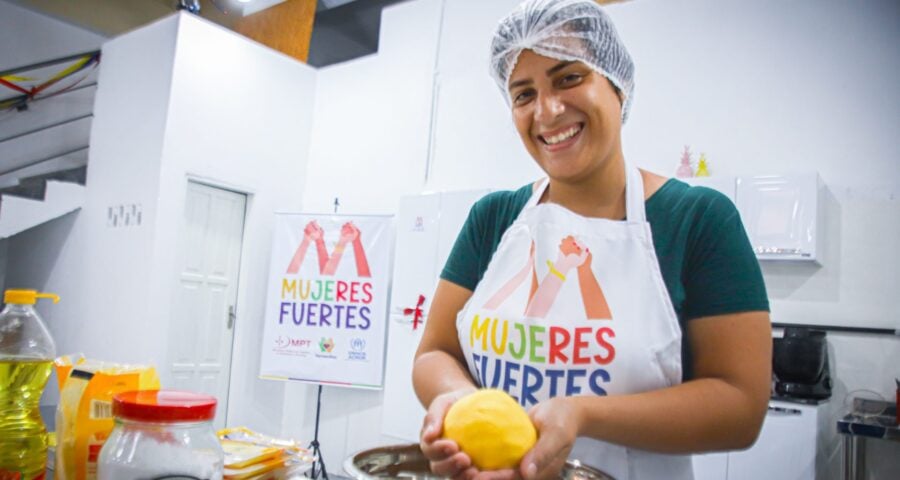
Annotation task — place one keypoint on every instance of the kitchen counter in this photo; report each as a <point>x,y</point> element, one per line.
<point>857,427</point>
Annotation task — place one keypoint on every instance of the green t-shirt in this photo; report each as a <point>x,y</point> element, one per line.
<point>704,254</point>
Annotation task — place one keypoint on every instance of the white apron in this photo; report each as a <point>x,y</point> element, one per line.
<point>588,314</point>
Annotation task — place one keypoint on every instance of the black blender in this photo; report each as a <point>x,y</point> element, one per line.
<point>800,365</point>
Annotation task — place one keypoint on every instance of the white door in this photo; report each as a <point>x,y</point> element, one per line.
<point>203,312</point>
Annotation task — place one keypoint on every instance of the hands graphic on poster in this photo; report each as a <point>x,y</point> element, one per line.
<point>313,231</point>
<point>328,262</point>
<point>349,232</point>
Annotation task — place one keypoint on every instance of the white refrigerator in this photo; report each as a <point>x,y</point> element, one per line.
<point>427,226</point>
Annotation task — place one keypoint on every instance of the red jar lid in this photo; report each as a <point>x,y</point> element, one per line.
<point>161,406</point>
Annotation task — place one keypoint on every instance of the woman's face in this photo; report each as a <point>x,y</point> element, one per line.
<point>568,115</point>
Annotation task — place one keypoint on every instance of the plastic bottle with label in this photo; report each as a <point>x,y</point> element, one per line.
<point>26,354</point>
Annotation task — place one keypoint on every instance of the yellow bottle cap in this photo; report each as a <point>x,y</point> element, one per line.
<point>27,297</point>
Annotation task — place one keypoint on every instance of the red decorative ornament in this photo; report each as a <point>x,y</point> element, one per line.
<point>416,312</point>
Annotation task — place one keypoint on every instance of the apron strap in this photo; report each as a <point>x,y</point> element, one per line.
<point>538,192</point>
<point>634,194</point>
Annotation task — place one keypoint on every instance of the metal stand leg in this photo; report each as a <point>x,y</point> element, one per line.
<point>314,445</point>
<point>854,458</point>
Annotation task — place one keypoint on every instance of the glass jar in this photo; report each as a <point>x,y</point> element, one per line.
<point>162,434</point>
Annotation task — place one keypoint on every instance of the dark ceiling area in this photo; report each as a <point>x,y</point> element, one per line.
<point>346,32</point>
<point>342,29</point>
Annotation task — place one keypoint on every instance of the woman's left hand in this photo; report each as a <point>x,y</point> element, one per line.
<point>557,421</point>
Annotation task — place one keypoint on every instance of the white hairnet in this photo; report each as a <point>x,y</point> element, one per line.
<point>569,30</point>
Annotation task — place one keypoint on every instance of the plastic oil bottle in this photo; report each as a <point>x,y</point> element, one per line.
<point>26,355</point>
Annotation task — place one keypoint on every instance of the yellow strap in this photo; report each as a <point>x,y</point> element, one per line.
<point>556,272</point>
<point>17,78</point>
<point>71,68</point>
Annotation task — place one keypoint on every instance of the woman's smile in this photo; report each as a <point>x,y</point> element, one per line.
<point>561,138</point>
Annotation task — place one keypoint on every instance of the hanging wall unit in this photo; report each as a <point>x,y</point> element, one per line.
<point>783,215</point>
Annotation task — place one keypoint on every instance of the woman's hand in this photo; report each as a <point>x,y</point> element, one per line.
<point>444,456</point>
<point>557,421</point>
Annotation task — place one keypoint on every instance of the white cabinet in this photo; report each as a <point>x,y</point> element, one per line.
<point>427,226</point>
<point>782,215</point>
<point>710,466</point>
<point>785,449</point>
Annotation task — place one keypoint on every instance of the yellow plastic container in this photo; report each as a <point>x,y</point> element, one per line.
<point>26,354</point>
<point>84,417</point>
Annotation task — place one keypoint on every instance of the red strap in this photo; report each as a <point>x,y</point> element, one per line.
<point>14,87</point>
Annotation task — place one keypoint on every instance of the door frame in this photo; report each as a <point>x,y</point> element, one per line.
<point>248,195</point>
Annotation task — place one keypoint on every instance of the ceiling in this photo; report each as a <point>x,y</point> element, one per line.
<point>113,17</point>
<point>49,136</point>
<point>342,29</point>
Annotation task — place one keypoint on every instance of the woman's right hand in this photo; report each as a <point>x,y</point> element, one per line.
<point>444,456</point>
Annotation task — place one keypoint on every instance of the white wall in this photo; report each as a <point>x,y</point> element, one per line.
<point>369,146</point>
<point>28,37</point>
<point>180,98</point>
<point>372,117</point>
<point>761,87</point>
<point>476,144</point>
<point>78,256</point>
<point>240,116</point>
<point>776,87</point>
<point>4,247</point>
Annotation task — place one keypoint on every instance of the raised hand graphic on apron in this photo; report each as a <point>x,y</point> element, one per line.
<point>571,305</point>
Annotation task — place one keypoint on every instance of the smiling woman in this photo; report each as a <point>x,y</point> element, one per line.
<point>567,115</point>
<point>626,310</point>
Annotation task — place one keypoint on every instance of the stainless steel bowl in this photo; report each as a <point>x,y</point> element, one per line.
<point>407,461</point>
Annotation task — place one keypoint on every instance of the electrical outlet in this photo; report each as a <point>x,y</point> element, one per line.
<point>125,215</point>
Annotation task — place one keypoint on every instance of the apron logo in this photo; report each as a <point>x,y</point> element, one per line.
<point>541,296</point>
<point>328,263</point>
<point>531,355</point>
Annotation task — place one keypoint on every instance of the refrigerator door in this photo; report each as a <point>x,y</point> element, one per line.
<point>427,226</point>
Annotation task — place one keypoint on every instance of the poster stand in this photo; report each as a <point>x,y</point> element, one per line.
<point>314,445</point>
<point>339,297</point>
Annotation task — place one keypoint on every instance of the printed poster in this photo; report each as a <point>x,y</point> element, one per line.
<point>327,298</point>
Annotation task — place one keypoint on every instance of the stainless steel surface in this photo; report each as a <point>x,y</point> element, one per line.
<point>869,419</point>
<point>854,458</point>
<point>407,461</point>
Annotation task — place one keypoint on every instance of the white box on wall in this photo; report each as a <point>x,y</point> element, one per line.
<point>782,215</point>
